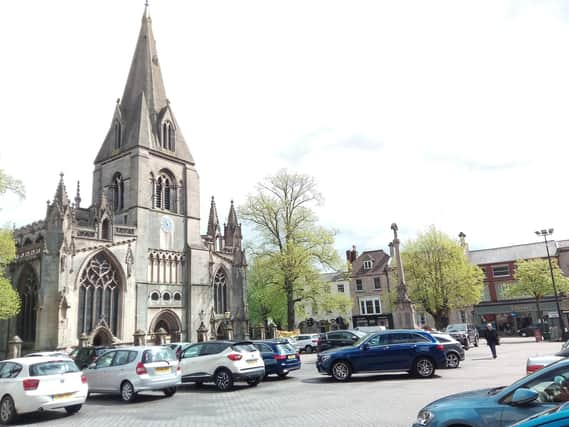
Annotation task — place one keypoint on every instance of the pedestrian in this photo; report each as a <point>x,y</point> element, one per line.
<point>491,338</point>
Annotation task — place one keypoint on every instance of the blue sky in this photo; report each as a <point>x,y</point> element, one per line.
<point>450,113</point>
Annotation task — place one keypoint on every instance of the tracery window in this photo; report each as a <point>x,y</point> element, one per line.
<point>164,193</point>
<point>28,290</point>
<point>99,295</point>
<point>168,136</point>
<point>220,292</point>
<point>118,192</point>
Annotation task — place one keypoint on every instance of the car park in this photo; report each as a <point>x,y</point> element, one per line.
<point>454,351</point>
<point>223,363</point>
<point>31,384</point>
<point>464,333</point>
<point>279,356</point>
<point>307,342</point>
<point>413,351</point>
<point>340,338</point>
<point>500,406</point>
<point>130,370</point>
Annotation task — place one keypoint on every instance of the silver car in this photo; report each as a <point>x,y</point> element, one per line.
<point>130,370</point>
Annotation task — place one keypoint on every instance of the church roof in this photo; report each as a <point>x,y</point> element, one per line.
<point>144,105</point>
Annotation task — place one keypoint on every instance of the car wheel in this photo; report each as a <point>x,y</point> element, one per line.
<point>341,371</point>
<point>7,410</point>
<point>223,380</point>
<point>73,409</point>
<point>283,374</point>
<point>308,349</point>
<point>253,382</point>
<point>424,368</point>
<point>524,334</point>
<point>170,391</point>
<point>127,392</point>
<point>453,360</point>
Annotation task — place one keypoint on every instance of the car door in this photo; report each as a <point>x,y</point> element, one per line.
<point>8,382</point>
<point>334,339</point>
<point>401,350</point>
<point>190,361</point>
<point>118,369</point>
<point>268,357</point>
<point>373,354</point>
<point>209,357</point>
<point>98,376</point>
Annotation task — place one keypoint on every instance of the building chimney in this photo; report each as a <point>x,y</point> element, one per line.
<point>462,241</point>
<point>351,256</point>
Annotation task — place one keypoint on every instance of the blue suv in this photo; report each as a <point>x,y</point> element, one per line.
<point>279,356</point>
<point>414,351</point>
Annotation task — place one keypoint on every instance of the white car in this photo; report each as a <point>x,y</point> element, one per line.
<point>30,384</point>
<point>222,362</point>
<point>60,354</point>
<point>130,370</point>
<point>307,342</point>
<point>535,363</point>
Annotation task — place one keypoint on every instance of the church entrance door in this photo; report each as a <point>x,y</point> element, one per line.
<point>103,337</point>
<point>168,321</point>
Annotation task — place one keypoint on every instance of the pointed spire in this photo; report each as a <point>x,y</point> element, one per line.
<point>232,219</point>
<point>61,197</point>
<point>213,229</point>
<point>78,197</point>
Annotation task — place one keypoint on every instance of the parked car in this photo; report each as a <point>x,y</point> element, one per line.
<point>527,331</point>
<point>30,384</point>
<point>454,351</point>
<point>129,370</point>
<point>178,347</point>
<point>499,406</point>
<point>279,357</point>
<point>338,339</point>
<point>414,351</point>
<point>535,363</point>
<point>84,356</point>
<point>223,363</point>
<point>60,354</point>
<point>464,333</point>
<point>554,417</point>
<point>307,342</point>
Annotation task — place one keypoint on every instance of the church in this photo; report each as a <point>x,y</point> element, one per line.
<point>135,260</point>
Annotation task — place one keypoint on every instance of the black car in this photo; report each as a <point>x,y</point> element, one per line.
<point>84,356</point>
<point>528,331</point>
<point>454,351</point>
<point>338,339</point>
<point>464,333</point>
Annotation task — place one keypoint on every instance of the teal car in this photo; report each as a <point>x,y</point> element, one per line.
<point>554,417</point>
<point>543,390</point>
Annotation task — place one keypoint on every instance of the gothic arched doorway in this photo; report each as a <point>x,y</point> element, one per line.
<point>28,289</point>
<point>102,337</point>
<point>221,333</point>
<point>168,321</point>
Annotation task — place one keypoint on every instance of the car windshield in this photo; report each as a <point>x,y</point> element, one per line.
<point>456,328</point>
<point>163,354</point>
<point>244,347</point>
<point>55,367</point>
<point>285,349</point>
<point>362,337</point>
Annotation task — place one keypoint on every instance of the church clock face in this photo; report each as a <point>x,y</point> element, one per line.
<point>166,224</point>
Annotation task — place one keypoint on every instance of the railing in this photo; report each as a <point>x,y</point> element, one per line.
<point>125,231</point>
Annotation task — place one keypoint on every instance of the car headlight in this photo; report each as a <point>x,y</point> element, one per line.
<point>425,417</point>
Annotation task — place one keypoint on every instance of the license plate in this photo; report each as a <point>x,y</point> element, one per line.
<point>292,356</point>
<point>252,361</point>
<point>62,396</point>
<point>162,370</point>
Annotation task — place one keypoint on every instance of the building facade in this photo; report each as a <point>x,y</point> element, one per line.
<point>134,259</point>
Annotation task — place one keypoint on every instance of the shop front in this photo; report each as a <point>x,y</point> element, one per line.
<point>373,320</point>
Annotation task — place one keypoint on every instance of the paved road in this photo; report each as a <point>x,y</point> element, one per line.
<point>306,398</point>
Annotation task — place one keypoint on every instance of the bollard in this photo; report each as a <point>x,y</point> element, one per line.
<point>139,338</point>
<point>15,347</point>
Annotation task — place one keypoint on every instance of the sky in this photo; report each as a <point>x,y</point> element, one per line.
<point>448,113</point>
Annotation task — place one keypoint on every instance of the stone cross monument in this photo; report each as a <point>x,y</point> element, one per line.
<point>404,314</point>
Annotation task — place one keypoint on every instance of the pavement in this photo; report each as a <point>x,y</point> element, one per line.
<point>306,397</point>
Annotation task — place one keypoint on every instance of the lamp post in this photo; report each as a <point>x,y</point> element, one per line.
<point>544,234</point>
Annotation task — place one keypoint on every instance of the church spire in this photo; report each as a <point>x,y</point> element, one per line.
<point>213,229</point>
<point>143,116</point>
<point>61,197</point>
<point>78,197</point>
<point>232,219</point>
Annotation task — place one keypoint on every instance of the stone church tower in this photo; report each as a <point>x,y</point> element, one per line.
<point>135,259</point>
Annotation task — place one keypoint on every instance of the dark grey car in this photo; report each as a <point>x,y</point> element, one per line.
<point>454,350</point>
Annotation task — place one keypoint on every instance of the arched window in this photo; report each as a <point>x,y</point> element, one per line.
<point>99,295</point>
<point>118,134</point>
<point>177,297</point>
<point>220,292</point>
<point>28,290</point>
<point>118,192</point>
<point>105,230</point>
<point>154,296</point>
<point>166,297</point>
<point>168,136</point>
<point>164,193</point>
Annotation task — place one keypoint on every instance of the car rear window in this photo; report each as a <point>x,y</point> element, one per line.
<point>158,355</point>
<point>285,349</point>
<point>243,347</point>
<point>53,368</point>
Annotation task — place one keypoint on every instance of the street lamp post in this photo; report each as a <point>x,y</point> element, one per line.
<point>544,234</point>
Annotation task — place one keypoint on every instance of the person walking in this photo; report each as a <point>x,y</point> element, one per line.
<point>491,338</point>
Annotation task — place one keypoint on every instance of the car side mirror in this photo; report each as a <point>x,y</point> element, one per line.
<point>92,366</point>
<point>365,346</point>
<point>355,338</point>
<point>523,396</point>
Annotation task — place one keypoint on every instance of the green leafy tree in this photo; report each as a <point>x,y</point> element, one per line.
<point>533,279</point>
<point>439,276</point>
<point>291,246</point>
<point>9,298</point>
